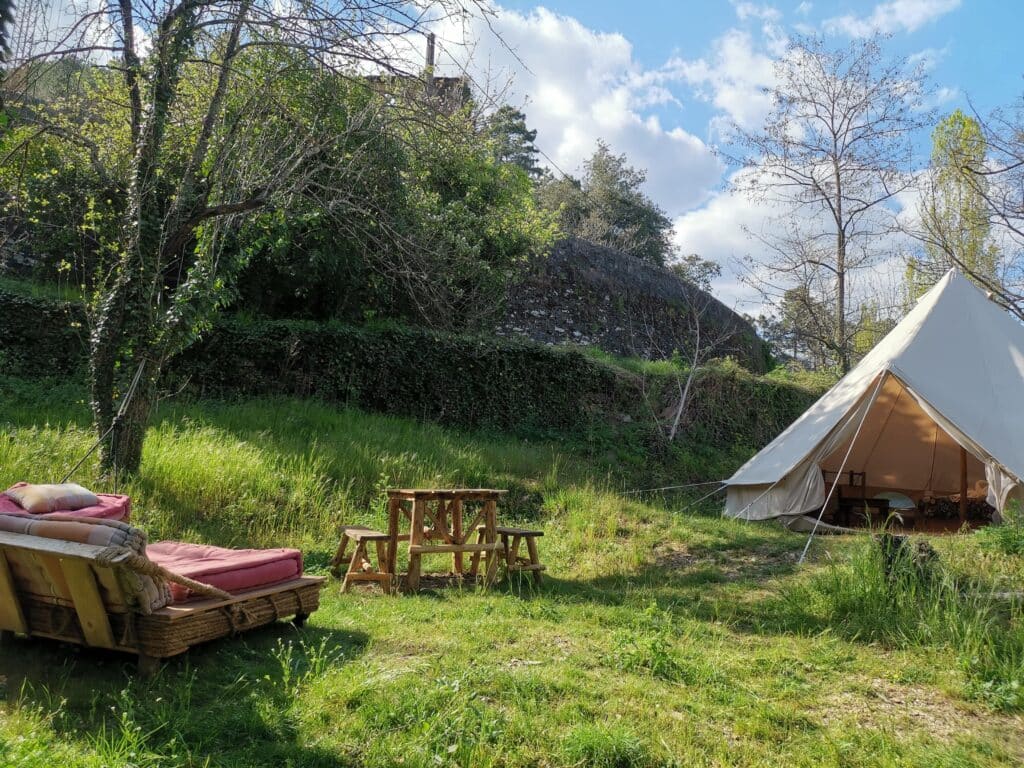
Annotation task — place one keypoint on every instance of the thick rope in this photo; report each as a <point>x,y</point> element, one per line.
<point>690,506</point>
<point>111,556</point>
<point>128,395</point>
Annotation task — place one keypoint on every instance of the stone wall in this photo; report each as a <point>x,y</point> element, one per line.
<point>590,295</point>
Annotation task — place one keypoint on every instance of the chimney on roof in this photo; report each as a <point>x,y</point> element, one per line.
<point>428,72</point>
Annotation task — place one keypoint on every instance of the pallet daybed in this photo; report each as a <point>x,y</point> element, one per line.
<point>110,595</point>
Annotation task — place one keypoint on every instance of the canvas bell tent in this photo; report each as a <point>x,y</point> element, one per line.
<point>936,406</point>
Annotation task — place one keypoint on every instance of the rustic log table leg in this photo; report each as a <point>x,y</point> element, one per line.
<point>456,511</point>
<point>491,537</point>
<point>531,547</point>
<point>394,513</point>
<point>415,539</point>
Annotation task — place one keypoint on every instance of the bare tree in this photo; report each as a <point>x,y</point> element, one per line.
<point>207,145</point>
<point>701,338</point>
<point>6,17</point>
<point>831,156</point>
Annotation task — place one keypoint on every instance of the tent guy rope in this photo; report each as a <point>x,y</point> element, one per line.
<point>867,409</point>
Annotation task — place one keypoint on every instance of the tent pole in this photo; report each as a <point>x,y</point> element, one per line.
<point>963,484</point>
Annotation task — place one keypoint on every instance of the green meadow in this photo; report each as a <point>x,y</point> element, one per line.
<point>661,635</point>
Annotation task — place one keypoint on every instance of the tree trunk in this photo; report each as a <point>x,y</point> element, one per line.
<point>122,451</point>
<point>840,338</point>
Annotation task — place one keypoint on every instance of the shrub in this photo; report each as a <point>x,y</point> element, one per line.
<point>1007,538</point>
<point>40,336</point>
<point>469,381</point>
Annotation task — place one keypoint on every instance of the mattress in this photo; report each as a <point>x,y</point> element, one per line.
<point>232,570</point>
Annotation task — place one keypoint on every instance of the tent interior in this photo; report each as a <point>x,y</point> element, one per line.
<point>901,452</point>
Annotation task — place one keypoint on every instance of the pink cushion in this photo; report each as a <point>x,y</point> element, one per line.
<point>109,507</point>
<point>232,570</point>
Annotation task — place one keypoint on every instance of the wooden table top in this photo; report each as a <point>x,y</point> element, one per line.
<point>469,494</point>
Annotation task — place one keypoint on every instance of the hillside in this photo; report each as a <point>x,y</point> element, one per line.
<point>601,404</point>
<point>661,635</point>
<point>584,294</point>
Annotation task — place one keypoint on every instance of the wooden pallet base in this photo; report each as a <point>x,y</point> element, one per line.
<point>173,630</point>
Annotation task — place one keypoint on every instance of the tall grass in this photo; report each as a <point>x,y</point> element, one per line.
<point>908,603</point>
<point>269,470</point>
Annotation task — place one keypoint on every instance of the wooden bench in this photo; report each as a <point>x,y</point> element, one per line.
<point>511,539</point>
<point>360,567</point>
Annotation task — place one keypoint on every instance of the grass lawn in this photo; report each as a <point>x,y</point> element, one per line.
<point>660,636</point>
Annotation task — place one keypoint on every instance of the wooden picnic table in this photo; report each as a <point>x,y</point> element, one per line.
<point>437,525</point>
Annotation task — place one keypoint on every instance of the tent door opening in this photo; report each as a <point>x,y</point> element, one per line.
<point>904,463</point>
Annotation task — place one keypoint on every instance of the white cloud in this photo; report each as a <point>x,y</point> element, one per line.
<point>940,98</point>
<point>892,16</point>
<point>804,8</point>
<point>578,85</point>
<point>927,58</point>
<point>747,10</point>
<point>734,78</point>
<point>720,231</point>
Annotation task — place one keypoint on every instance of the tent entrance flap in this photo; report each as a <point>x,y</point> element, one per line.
<point>802,489</point>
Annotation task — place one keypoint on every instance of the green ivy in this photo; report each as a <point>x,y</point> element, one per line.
<point>466,381</point>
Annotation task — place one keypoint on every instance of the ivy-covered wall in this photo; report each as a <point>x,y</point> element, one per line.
<point>40,337</point>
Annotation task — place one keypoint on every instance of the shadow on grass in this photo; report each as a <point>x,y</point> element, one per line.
<point>230,700</point>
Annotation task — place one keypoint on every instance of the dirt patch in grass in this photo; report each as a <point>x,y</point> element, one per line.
<point>732,564</point>
<point>876,702</point>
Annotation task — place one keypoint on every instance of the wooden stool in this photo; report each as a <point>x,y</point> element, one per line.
<point>511,538</point>
<point>359,566</point>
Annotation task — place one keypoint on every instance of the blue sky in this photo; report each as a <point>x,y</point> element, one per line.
<point>657,79</point>
<point>977,42</point>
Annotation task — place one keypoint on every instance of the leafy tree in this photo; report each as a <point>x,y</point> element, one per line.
<point>206,149</point>
<point>513,142</point>
<point>564,197</point>
<point>832,154</point>
<point>956,229</point>
<point>608,206</point>
<point>478,223</point>
<point>443,227</point>
<point>694,269</point>
<point>800,330</point>
<point>872,326</point>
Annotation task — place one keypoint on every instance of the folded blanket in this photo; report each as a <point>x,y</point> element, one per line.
<point>142,592</point>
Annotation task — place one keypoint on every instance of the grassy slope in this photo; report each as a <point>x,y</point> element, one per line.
<point>657,638</point>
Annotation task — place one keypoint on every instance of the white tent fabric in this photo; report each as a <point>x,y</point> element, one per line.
<point>949,375</point>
